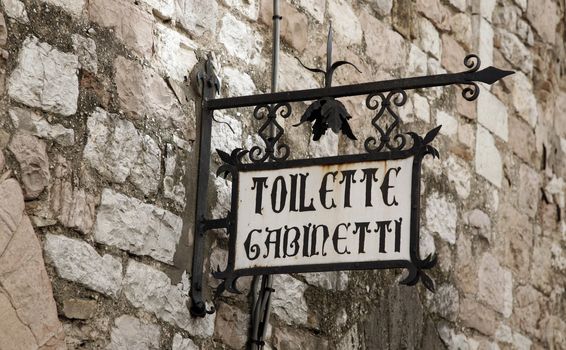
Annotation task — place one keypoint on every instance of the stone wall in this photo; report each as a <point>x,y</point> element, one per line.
<point>98,128</point>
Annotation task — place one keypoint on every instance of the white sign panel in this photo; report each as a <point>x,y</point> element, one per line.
<point>324,214</point>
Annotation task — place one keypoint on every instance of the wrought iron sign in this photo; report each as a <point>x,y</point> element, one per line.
<point>346,212</point>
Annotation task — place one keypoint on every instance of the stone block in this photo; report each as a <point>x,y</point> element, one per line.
<point>544,16</point>
<point>174,53</point>
<point>80,309</point>
<point>164,9</point>
<point>495,285</point>
<point>492,114</point>
<point>249,8</point>
<point>237,83</point>
<point>315,8</point>
<point>452,54</point>
<point>435,11</point>
<point>459,4</point>
<point>523,141</point>
<point>85,48</point>
<point>294,76</point>
<point>240,40</point>
<point>129,333</point>
<point>119,152</point>
<point>523,98</point>
<point>45,78</point>
<point>475,315</point>
<point>528,309</point>
<point>516,233</point>
<point>484,8</point>
<point>135,30</point>
<point>485,40</point>
<point>36,125</point>
<point>30,152</point>
<point>288,301</point>
<point>118,224</point>
<point>529,195</point>
<point>226,330</point>
<point>288,338</point>
<point>385,47</point>
<point>445,302</point>
<point>461,29</point>
<point>458,175</point>
<point>79,262</point>
<point>337,281</point>
<point>421,108</point>
<point>74,7</point>
<point>16,9</point>
<point>180,343</point>
<point>488,160</point>
<point>429,39</point>
<point>441,217</point>
<point>151,290</point>
<point>293,26</point>
<point>514,51</point>
<point>142,93</point>
<point>345,22</point>
<point>480,221</point>
<point>416,61</point>
<point>74,207</point>
<point>197,17</point>
<point>449,123</point>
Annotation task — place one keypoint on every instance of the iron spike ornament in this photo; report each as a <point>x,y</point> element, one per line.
<point>328,112</point>
<point>348,212</point>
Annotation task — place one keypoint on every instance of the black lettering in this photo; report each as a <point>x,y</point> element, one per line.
<point>348,177</point>
<point>293,197</point>
<point>398,235</point>
<point>259,184</point>
<point>294,244</point>
<point>369,177</point>
<point>382,229</point>
<point>306,236</point>
<point>276,242</point>
<point>385,187</point>
<point>303,188</point>
<point>324,190</point>
<point>336,238</point>
<point>282,196</point>
<point>362,228</point>
<point>325,236</point>
<point>249,248</point>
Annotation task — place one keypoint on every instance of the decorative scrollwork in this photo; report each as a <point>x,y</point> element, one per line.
<point>273,150</point>
<point>386,137</point>
<point>472,91</point>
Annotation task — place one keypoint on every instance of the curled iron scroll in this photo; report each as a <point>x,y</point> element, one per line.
<point>273,149</point>
<point>393,142</point>
<point>472,91</point>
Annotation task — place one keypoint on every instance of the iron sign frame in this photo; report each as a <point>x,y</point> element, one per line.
<point>389,144</point>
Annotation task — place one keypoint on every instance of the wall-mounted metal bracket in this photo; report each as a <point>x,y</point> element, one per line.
<point>382,97</point>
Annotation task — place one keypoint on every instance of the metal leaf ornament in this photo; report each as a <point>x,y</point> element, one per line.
<point>328,112</point>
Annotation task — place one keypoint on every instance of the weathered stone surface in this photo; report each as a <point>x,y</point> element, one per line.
<point>452,54</point>
<point>416,61</point>
<point>554,331</point>
<point>293,75</point>
<point>180,343</point>
<point>517,238</point>
<point>428,39</point>
<point>492,114</point>
<point>239,39</point>
<point>16,9</point>
<point>435,11</point>
<point>2,161</point>
<point>528,309</point>
<point>488,160</point>
<point>45,78</point>
<point>461,27</point>
<point>118,224</point>
<point>523,98</point>
<point>85,48</point>
<point>523,142</point>
<point>485,50</point>
<point>495,285</point>
<point>514,51</point>
<point>174,53</point>
<point>288,301</point>
<point>421,108</point>
<point>197,17</point>
<point>79,262</point>
<point>455,340</point>
<point>544,17</point>
<point>459,4</point>
<point>449,123</point>
<point>135,30</point>
<point>345,22</point>
<point>173,187</point>
<point>74,7</point>
<point>316,8</point>
<point>29,314</point>
<point>505,334</point>
<point>143,93</point>
<point>29,121</point>
<point>530,190</point>
<point>484,8</point>
<point>151,289</point>
<point>238,83</point>
<point>74,206</point>
<point>119,152</point>
<point>227,317</point>
<point>294,26</point>
<point>288,338</point>
<point>31,154</point>
<point>328,280</point>
<point>480,221</point>
<point>445,301</point>
<point>441,217</point>
<point>164,9</point>
<point>81,309</point>
<point>131,333</point>
<point>459,175</point>
<point>379,39</point>
<point>475,315</point>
